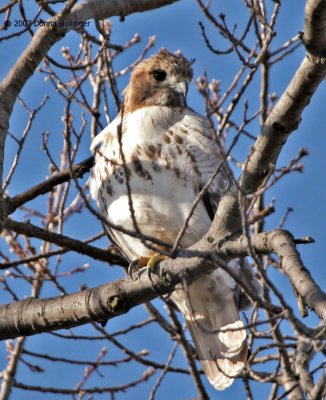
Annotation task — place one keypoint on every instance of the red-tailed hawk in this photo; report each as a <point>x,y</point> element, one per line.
<point>169,156</point>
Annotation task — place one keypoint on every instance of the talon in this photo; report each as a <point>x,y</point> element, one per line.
<point>149,262</point>
<point>137,265</point>
<point>149,274</point>
<point>133,266</point>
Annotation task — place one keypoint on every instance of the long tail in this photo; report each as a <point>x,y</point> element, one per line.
<point>217,332</point>
<point>223,354</point>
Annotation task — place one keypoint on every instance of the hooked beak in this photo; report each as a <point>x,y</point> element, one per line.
<point>181,87</point>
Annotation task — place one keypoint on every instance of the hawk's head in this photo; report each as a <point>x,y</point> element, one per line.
<point>160,80</point>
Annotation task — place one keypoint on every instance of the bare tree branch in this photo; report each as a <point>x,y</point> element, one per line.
<point>281,122</point>
<point>33,315</point>
<point>104,302</point>
<point>26,228</point>
<point>314,29</point>
<point>44,187</point>
<point>282,243</point>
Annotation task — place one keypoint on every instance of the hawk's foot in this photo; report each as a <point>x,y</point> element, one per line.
<point>154,259</point>
<point>148,262</point>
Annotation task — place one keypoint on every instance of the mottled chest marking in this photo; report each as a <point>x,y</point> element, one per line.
<point>139,169</point>
<point>114,169</point>
<point>109,188</point>
<point>119,175</point>
<point>159,149</point>
<point>154,149</point>
<point>151,152</point>
<point>193,161</point>
<point>174,137</point>
<point>178,139</point>
<point>166,139</point>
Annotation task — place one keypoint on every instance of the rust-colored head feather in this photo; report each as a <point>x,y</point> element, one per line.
<point>160,80</point>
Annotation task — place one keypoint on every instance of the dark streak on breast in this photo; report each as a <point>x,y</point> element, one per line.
<point>193,160</point>
<point>166,139</point>
<point>102,198</point>
<point>159,149</point>
<point>119,177</point>
<point>178,139</point>
<point>108,188</point>
<point>203,132</point>
<point>138,167</point>
<point>151,152</point>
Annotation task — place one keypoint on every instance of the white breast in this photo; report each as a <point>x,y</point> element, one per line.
<point>164,182</point>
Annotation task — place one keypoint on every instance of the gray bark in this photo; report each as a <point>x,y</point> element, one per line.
<point>33,315</point>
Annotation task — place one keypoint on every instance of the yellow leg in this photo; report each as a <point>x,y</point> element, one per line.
<point>154,259</point>
<point>148,262</point>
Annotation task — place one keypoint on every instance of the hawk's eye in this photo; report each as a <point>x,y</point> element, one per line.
<point>159,75</point>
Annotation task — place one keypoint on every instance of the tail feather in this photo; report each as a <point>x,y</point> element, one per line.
<point>217,332</point>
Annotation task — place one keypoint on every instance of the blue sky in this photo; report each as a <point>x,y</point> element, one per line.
<point>175,27</point>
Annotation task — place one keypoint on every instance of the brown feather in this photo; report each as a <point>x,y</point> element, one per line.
<point>144,91</point>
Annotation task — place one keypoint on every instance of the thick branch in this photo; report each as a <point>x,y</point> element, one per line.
<point>281,243</point>
<point>282,121</point>
<point>315,26</point>
<point>34,315</point>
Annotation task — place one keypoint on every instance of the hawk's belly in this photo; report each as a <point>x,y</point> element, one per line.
<point>161,203</point>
